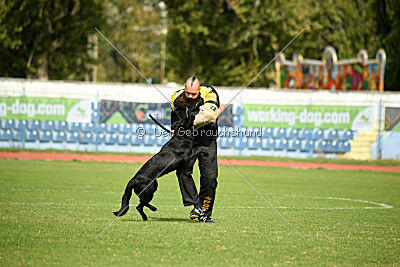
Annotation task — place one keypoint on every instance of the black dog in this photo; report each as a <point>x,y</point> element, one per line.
<point>168,159</point>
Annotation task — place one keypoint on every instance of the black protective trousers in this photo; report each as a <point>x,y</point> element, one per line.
<point>207,155</point>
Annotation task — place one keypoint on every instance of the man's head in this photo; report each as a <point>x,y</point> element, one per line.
<point>192,87</point>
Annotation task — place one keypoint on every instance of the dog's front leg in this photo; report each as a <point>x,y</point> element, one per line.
<point>139,208</point>
<point>151,207</point>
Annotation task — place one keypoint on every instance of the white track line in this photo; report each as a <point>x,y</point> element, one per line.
<point>376,205</point>
<point>380,205</point>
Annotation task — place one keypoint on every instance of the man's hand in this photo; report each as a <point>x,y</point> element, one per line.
<point>208,114</point>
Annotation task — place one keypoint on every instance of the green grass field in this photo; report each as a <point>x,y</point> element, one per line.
<point>52,211</point>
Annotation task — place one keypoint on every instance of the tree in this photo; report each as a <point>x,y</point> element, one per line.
<point>47,39</point>
<point>214,39</point>
<point>227,42</point>
<point>224,42</point>
<point>386,13</point>
<point>137,30</point>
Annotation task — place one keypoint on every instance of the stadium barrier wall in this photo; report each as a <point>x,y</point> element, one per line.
<point>284,123</point>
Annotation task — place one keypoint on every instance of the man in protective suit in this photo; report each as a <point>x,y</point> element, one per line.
<point>202,101</point>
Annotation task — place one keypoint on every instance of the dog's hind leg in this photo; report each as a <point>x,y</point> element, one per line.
<point>139,208</point>
<point>151,207</point>
<point>146,196</point>
<point>125,199</point>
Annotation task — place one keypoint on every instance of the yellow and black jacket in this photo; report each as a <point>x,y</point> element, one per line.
<point>179,110</point>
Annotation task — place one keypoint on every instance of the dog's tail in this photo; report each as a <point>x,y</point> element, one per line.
<point>125,199</point>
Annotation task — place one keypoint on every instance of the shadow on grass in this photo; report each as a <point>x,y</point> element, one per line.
<point>158,220</point>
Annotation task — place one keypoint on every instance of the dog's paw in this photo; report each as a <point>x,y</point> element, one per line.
<point>141,212</point>
<point>121,212</point>
<point>151,207</point>
<point>115,213</point>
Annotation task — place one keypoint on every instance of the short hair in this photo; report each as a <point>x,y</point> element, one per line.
<point>191,81</point>
<point>194,78</point>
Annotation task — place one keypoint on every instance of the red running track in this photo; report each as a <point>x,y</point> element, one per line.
<point>123,158</point>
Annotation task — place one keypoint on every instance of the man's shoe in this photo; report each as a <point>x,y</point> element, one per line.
<point>196,213</point>
<point>206,219</point>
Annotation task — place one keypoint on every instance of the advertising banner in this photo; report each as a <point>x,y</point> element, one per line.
<point>225,119</point>
<point>309,116</point>
<point>42,108</point>
<point>132,112</point>
<point>392,119</point>
<point>120,112</point>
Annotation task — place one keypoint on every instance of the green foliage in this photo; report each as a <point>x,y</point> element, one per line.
<point>136,29</point>
<point>386,13</point>
<point>51,212</point>
<point>47,39</point>
<point>227,42</point>
<point>224,42</point>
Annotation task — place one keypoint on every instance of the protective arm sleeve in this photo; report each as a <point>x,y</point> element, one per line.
<point>209,113</point>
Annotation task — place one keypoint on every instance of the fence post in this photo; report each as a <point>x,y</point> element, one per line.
<point>311,152</point>
<point>96,120</point>
<point>379,146</point>
<point>26,121</point>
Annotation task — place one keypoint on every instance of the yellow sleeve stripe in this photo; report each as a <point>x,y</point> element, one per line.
<point>174,97</point>
<point>207,94</point>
